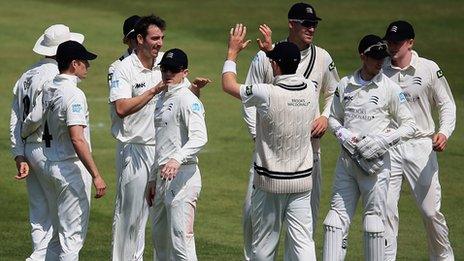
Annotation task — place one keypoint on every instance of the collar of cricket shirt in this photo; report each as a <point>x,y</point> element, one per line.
<point>292,82</point>
<point>173,88</point>
<point>138,64</point>
<point>413,64</point>
<point>62,78</point>
<point>376,80</point>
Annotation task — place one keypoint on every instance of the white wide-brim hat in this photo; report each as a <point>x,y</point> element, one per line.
<point>52,37</point>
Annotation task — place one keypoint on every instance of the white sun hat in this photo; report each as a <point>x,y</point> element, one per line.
<point>52,37</point>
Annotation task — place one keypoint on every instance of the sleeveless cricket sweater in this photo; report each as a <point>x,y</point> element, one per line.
<point>284,157</point>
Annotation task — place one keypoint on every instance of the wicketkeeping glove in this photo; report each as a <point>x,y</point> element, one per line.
<point>373,146</point>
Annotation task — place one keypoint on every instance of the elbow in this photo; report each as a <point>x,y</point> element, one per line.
<point>120,112</point>
<point>77,141</point>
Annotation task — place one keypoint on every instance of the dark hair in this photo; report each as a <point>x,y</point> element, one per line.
<point>63,64</point>
<point>142,25</point>
<point>287,67</point>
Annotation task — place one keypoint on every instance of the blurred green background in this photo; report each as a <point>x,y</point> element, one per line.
<point>200,28</point>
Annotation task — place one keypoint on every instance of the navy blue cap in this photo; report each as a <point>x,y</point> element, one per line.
<point>175,58</point>
<point>303,11</point>
<point>373,46</point>
<point>399,31</point>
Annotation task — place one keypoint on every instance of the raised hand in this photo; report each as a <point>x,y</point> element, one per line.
<point>265,45</point>
<point>237,41</point>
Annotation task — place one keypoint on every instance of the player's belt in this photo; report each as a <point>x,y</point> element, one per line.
<point>282,175</point>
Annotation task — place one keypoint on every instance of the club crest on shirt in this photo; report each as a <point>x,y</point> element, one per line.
<point>337,93</point>
<point>440,73</point>
<point>76,108</point>
<point>249,90</point>
<point>374,99</point>
<point>110,76</point>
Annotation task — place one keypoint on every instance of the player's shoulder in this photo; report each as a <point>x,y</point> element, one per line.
<point>189,100</point>
<point>259,57</point>
<point>426,63</point>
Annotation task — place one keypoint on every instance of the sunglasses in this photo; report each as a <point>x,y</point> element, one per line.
<point>376,47</point>
<point>305,23</point>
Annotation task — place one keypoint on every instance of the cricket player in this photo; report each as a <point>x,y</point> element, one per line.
<point>129,39</point>
<point>27,149</point>
<point>364,104</point>
<point>135,83</point>
<point>67,148</point>
<point>175,180</point>
<point>316,65</point>
<point>286,110</point>
<point>425,88</point>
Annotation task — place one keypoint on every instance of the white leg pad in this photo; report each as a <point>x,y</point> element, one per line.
<point>374,241</point>
<point>333,237</point>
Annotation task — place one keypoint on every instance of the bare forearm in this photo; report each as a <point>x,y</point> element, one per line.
<point>83,152</point>
<point>128,106</point>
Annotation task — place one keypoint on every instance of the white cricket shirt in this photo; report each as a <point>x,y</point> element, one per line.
<point>425,87</point>
<point>130,79</point>
<point>26,90</point>
<point>368,109</point>
<point>316,65</point>
<point>65,105</point>
<point>115,64</point>
<point>180,125</point>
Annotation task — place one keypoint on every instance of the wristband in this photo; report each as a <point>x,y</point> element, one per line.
<point>229,66</point>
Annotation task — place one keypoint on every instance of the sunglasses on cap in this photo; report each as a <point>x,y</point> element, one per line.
<point>376,47</point>
<point>305,23</point>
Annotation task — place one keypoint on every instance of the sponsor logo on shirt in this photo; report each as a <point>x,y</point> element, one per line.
<point>139,85</point>
<point>358,113</point>
<point>331,66</point>
<point>298,102</point>
<point>196,107</point>
<point>114,83</point>
<point>249,90</point>
<point>76,108</point>
<point>401,97</point>
<point>440,73</point>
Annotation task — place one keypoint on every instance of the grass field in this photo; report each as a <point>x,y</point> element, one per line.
<point>200,28</point>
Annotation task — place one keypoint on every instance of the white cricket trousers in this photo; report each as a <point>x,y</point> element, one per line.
<point>269,212</point>
<point>133,165</point>
<point>416,161</point>
<point>38,188</point>
<point>349,184</point>
<point>174,214</point>
<point>71,208</point>
<point>315,198</point>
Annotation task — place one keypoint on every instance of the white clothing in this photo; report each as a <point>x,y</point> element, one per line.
<point>174,215</point>
<point>130,79</point>
<point>286,110</point>
<point>425,88</point>
<point>364,110</point>
<point>65,105</point>
<point>135,155</point>
<point>270,211</point>
<point>180,135</point>
<point>316,65</point>
<point>26,92</point>
<point>113,66</point>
